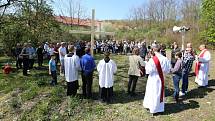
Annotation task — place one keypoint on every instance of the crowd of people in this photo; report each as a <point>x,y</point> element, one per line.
<point>76,57</point>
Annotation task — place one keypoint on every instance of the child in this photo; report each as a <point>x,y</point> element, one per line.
<point>53,70</point>
<point>106,69</point>
<point>177,74</point>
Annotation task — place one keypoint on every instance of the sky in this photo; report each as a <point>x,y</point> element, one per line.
<point>105,9</point>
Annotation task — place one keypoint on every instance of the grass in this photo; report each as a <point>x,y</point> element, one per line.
<point>32,98</point>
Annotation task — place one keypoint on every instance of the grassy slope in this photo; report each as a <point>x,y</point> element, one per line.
<point>22,99</point>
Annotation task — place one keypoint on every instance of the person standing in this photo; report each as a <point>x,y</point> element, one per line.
<point>175,49</point>
<point>163,49</point>
<point>56,52</point>
<point>25,59</point>
<point>72,66</point>
<point>32,53</point>
<point>135,61</point>
<point>156,67</point>
<point>177,75</point>
<point>87,65</point>
<point>53,70</point>
<point>106,69</point>
<point>51,50</point>
<point>40,55</point>
<point>143,51</point>
<point>18,51</point>
<point>62,53</point>
<point>202,66</point>
<point>187,62</point>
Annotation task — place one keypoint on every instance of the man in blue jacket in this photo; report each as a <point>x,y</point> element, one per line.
<point>87,65</point>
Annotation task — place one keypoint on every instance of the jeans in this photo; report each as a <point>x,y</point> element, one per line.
<point>132,81</point>
<point>54,78</point>
<point>184,81</point>
<point>176,80</point>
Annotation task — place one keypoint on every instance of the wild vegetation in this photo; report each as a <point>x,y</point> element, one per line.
<point>32,98</point>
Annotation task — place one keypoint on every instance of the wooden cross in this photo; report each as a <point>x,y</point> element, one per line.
<point>92,32</point>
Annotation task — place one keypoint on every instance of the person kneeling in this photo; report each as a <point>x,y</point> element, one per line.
<point>106,69</point>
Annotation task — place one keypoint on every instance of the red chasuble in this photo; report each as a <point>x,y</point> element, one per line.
<point>197,67</point>
<point>160,72</point>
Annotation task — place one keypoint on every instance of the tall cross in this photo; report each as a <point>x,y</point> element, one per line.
<point>92,32</point>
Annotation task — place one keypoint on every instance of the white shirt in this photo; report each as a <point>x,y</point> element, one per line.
<point>106,73</point>
<point>72,66</point>
<point>46,47</point>
<point>62,50</point>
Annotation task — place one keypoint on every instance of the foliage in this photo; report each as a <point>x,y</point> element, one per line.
<point>32,22</point>
<point>208,18</point>
<point>51,103</point>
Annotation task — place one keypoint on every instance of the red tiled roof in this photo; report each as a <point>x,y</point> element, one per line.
<point>81,22</point>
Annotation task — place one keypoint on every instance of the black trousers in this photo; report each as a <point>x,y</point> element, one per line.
<point>87,81</point>
<point>132,83</point>
<point>31,63</point>
<point>25,65</point>
<point>40,60</point>
<point>57,59</point>
<point>18,63</point>
<point>106,94</point>
<point>72,88</point>
<point>54,78</point>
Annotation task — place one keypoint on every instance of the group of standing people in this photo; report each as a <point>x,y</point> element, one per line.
<point>74,59</point>
<point>73,64</point>
<point>181,67</point>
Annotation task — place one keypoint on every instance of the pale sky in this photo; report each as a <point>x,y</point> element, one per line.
<point>105,9</point>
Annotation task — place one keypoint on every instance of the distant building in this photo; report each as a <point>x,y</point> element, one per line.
<point>86,23</point>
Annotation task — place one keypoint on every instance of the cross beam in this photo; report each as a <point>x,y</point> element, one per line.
<point>92,32</point>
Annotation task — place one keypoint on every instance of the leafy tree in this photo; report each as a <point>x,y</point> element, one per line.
<point>208,18</point>
<point>32,21</point>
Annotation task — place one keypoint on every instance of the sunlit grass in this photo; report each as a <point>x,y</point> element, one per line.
<point>32,98</point>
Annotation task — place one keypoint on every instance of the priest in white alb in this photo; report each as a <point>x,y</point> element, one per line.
<point>202,66</point>
<point>156,67</point>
